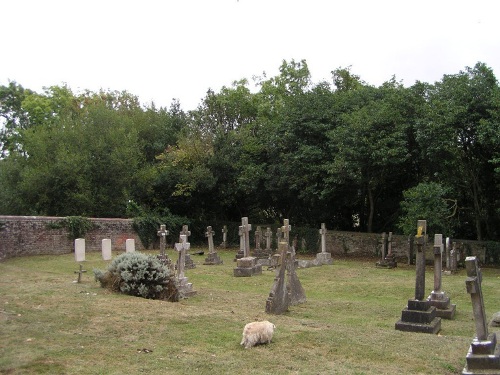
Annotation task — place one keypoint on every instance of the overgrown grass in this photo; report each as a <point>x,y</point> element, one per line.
<point>51,325</point>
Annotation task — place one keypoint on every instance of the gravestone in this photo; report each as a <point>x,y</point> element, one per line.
<point>278,239</point>
<point>447,252</point>
<point>185,288</point>
<point>297,293</point>
<point>188,262</point>
<point>80,272</point>
<point>453,258</point>
<point>268,234</point>
<point>483,356</point>
<point>130,245</point>
<point>213,257</point>
<point>438,298</point>
<point>80,250</point>
<point>323,257</point>
<point>419,315</point>
<point>106,249</point>
<point>224,237</point>
<point>163,257</point>
<point>259,252</point>
<point>244,233</point>
<point>279,298</point>
<point>388,259</point>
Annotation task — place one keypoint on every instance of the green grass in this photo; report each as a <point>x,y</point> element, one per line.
<point>51,325</point>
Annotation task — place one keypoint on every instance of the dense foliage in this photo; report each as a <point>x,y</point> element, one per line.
<point>139,275</point>
<point>345,153</point>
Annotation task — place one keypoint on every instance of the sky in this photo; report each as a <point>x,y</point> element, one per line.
<point>160,50</point>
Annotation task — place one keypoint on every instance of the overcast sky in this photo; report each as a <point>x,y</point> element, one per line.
<point>165,49</point>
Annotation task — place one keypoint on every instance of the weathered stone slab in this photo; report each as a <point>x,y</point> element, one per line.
<point>106,249</point>
<point>247,262</point>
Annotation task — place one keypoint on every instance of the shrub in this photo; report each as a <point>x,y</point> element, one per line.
<point>139,275</point>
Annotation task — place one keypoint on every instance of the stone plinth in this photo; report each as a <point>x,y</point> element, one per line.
<point>444,309</point>
<point>483,357</point>
<point>188,262</point>
<point>212,259</point>
<point>247,266</point>
<point>261,253</point>
<point>186,288</point>
<point>419,316</point>
<point>324,258</point>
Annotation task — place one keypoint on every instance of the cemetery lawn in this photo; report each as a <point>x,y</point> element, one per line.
<point>51,325</point>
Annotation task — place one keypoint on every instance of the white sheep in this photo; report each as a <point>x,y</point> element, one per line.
<point>257,333</point>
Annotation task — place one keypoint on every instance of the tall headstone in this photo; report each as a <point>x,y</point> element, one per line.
<point>261,254</point>
<point>185,288</point>
<point>453,258</point>
<point>130,245</point>
<point>438,298</point>
<point>447,248</point>
<point>246,265</point>
<point>268,234</point>
<point>163,257</point>
<point>285,231</point>
<point>244,233</point>
<point>213,257</point>
<point>106,249</point>
<point>279,298</point>
<point>188,262</point>
<point>483,356</point>
<point>419,315</point>
<point>224,237</point>
<point>80,249</point>
<point>185,230</point>
<point>323,257</point>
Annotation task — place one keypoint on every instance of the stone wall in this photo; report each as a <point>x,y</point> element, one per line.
<point>36,235</point>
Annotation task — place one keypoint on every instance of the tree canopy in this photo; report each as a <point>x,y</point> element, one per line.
<point>352,155</point>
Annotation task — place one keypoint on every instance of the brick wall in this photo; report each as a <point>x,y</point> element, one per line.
<point>34,235</point>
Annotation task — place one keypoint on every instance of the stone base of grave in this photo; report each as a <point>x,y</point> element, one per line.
<point>323,258</point>
<point>247,267</point>
<point>483,357</point>
<point>165,260</point>
<point>185,288</point>
<point>240,254</point>
<point>213,259</point>
<point>188,262</point>
<point>297,293</point>
<point>444,309</point>
<point>261,253</point>
<point>419,316</point>
<point>388,262</point>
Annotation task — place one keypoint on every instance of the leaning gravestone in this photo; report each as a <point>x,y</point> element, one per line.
<point>419,315</point>
<point>438,298</point>
<point>213,257</point>
<point>483,356</point>
<point>297,293</point>
<point>106,249</point>
<point>279,298</point>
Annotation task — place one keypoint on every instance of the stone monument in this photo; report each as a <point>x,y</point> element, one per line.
<point>483,356</point>
<point>106,249</point>
<point>323,257</point>
<point>163,257</point>
<point>438,298</point>
<point>279,298</point>
<point>388,259</point>
<point>224,237</point>
<point>246,265</point>
<point>419,315</point>
<point>213,257</point>
<point>185,288</point>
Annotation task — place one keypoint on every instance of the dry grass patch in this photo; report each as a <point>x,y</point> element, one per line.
<point>49,324</point>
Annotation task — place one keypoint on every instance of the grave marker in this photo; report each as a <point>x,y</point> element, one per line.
<point>323,257</point>
<point>279,297</point>
<point>185,288</point>
<point>80,250</point>
<point>268,236</point>
<point>106,249</point>
<point>419,315</point>
<point>224,237</point>
<point>483,356</point>
<point>213,257</point>
<point>438,298</point>
<point>80,272</point>
<point>130,245</point>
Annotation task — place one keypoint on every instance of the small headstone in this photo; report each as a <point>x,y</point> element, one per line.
<point>80,272</point>
<point>419,315</point>
<point>80,250</point>
<point>438,298</point>
<point>483,356</point>
<point>130,245</point>
<point>259,252</point>
<point>388,259</point>
<point>106,249</point>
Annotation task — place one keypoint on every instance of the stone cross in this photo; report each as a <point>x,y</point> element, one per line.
<point>162,233</point>
<point>80,272</point>
<point>258,238</point>
<point>322,232</point>
<point>182,247</point>
<point>242,240</point>
<point>278,237</point>
<point>268,235</point>
<point>224,237</point>
<point>453,257</point>
<point>210,235</point>
<point>420,260</point>
<point>473,284</point>
<point>185,230</point>
<point>438,261</point>
<point>285,229</point>
<point>245,229</point>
